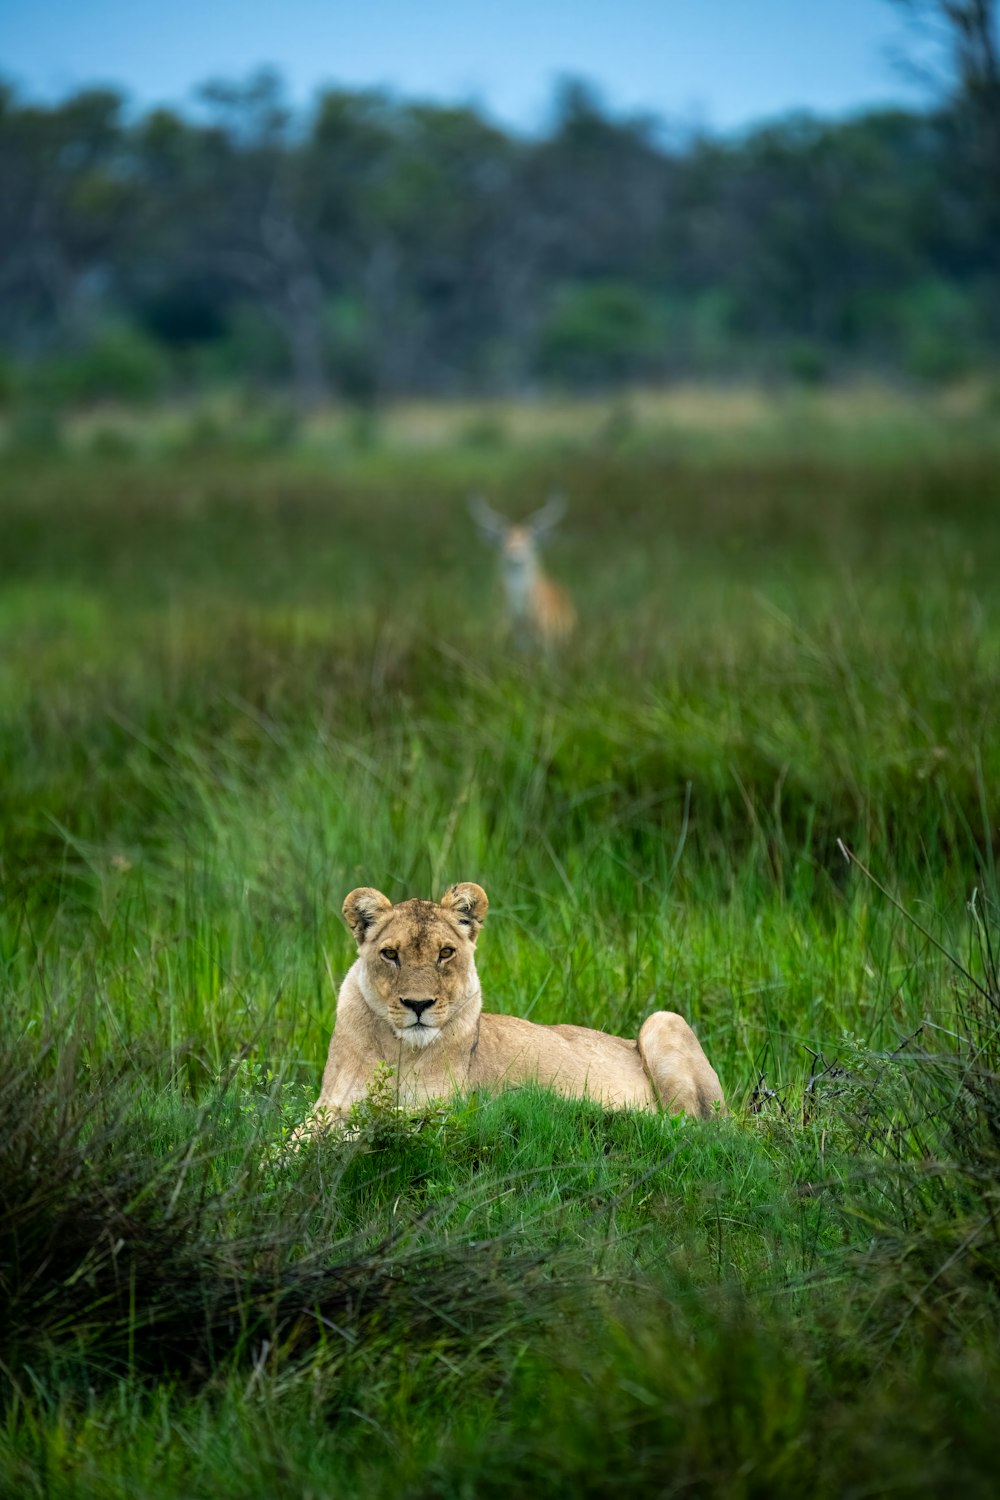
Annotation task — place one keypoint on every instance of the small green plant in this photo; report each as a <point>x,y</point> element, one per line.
<point>256,1089</point>
<point>379,1120</point>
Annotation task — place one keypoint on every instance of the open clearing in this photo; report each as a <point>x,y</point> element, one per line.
<point>244,670</point>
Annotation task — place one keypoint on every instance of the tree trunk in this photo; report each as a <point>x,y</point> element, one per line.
<point>303,324</point>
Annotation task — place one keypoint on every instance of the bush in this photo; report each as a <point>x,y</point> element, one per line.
<point>601,333</point>
<point>807,363</point>
<point>937,323</point>
<point>120,365</point>
<point>8,381</point>
<point>34,429</point>
<point>485,431</point>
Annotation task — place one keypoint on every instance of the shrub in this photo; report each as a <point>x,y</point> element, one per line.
<point>601,333</point>
<point>120,364</point>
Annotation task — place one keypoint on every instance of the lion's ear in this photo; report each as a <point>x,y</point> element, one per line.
<point>471,904</point>
<point>361,908</point>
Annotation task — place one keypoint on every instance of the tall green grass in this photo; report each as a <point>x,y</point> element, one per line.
<point>233,685</point>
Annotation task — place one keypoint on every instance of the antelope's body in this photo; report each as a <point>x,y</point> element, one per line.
<point>537,608</point>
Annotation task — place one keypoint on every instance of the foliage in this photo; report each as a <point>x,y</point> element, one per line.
<point>120,364</point>
<point>375,246</point>
<point>601,333</point>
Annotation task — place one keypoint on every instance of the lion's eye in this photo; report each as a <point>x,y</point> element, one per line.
<point>446,953</point>
<point>391,955</point>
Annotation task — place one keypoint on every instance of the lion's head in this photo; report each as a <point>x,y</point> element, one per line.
<point>416,960</point>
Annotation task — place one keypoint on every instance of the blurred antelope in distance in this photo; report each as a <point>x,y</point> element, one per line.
<point>537,608</point>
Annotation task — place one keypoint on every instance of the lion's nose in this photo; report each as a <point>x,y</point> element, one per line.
<point>417,1006</point>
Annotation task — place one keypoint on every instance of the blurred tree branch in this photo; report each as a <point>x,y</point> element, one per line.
<point>969,33</point>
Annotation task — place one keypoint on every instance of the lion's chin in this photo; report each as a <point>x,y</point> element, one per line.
<point>417,1036</point>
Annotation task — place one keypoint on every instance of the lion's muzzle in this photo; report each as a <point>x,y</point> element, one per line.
<point>417,1032</point>
<point>417,1006</point>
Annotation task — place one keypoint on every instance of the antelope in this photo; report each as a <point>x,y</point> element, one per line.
<point>538,609</point>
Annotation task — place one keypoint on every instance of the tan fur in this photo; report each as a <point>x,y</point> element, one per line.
<point>550,611</point>
<point>452,1045</point>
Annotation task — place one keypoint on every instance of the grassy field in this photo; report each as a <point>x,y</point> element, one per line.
<point>244,668</point>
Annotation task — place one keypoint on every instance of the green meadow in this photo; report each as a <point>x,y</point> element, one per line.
<point>246,666</point>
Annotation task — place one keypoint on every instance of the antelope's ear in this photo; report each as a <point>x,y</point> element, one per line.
<point>492,525</point>
<point>470,904</point>
<point>548,518</point>
<point>361,908</point>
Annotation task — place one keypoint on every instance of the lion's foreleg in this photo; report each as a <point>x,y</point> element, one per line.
<point>682,1076</point>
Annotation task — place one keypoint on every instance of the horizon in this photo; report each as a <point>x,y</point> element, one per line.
<point>649,59</point>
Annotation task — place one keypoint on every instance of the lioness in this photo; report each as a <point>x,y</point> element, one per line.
<point>412,999</point>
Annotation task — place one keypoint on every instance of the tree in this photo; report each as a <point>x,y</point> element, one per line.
<point>66,202</point>
<point>968,31</point>
<point>381,246</point>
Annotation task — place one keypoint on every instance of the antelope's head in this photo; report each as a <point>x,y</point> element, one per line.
<point>518,541</point>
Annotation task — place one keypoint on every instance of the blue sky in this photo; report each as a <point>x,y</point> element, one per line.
<point>716,63</point>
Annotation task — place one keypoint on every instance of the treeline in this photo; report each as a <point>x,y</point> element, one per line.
<point>380,246</point>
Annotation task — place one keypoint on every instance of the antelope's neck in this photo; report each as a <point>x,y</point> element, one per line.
<point>520,576</point>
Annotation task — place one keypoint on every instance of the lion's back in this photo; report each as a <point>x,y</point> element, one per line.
<point>575,1060</point>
